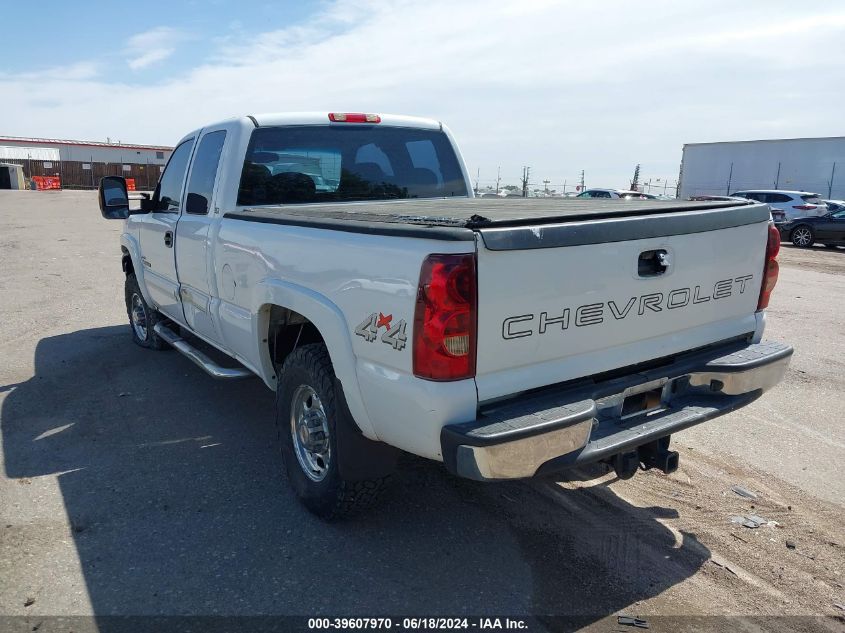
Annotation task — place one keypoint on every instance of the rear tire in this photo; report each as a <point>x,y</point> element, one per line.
<point>142,318</point>
<point>802,236</point>
<point>306,419</point>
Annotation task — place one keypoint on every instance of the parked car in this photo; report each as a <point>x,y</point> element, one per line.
<point>390,311</point>
<point>616,194</point>
<point>794,204</point>
<point>778,216</point>
<point>828,229</point>
<point>835,205</point>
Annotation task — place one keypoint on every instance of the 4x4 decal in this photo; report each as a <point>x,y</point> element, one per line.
<point>394,335</point>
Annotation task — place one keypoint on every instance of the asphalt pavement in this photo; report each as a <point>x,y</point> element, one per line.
<point>131,483</point>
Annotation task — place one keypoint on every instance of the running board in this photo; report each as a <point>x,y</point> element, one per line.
<point>209,366</point>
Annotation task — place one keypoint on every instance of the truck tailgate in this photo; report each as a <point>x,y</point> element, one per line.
<point>563,301</point>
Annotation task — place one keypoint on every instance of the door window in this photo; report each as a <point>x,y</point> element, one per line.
<point>169,191</point>
<point>204,172</point>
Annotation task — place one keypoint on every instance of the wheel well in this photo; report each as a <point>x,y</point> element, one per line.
<point>286,331</point>
<point>126,261</point>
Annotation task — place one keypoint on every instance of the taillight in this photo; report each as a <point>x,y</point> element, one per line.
<point>353,117</point>
<point>445,318</point>
<point>805,207</point>
<point>770,268</point>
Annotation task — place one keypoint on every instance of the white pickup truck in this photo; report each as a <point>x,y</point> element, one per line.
<point>342,259</point>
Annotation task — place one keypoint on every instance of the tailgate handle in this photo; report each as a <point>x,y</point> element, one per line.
<point>653,263</point>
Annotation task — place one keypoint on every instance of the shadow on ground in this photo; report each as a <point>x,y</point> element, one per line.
<point>178,505</point>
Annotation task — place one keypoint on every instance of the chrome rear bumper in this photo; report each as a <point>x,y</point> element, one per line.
<point>582,423</point>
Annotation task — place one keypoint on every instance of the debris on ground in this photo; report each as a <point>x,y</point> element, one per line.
<point>725,567</point>
<point>29,602</point>
<point>744,492</point>
<point>752,521</point>
<point>123,394</point>
<point>627,620</point>
<point>790,544</point>
<point>839,606</point>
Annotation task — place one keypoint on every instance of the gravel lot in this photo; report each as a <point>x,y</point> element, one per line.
<point>134,484</point>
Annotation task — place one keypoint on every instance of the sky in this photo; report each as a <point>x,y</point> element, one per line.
<point>561,86</point>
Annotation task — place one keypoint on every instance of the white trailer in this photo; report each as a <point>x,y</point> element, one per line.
<point>803,164</point>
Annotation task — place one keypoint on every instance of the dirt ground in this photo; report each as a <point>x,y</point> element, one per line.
<point>132,484</point>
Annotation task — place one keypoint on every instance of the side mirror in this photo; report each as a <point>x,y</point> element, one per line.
<point>147,205</point>
<point>114,199</point>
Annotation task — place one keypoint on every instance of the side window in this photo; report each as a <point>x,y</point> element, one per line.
<point>204,172</point>
<point>169,190</point>
<point>777,198</point>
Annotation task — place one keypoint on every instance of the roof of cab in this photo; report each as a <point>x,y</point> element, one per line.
<point>322,118</point>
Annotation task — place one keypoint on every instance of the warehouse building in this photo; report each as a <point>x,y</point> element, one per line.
<point>55,163</point>
<point>814,165</point>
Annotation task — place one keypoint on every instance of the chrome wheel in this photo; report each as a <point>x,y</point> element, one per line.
<point>138,314</point>
<point>309,429</point>
<point>802,236</point>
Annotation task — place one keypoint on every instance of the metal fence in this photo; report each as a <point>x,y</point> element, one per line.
<point>81,175</point>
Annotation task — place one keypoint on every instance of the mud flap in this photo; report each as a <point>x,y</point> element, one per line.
<point>361,458</point>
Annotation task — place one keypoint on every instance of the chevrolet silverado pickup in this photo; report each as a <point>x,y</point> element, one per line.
<point>343,260</point>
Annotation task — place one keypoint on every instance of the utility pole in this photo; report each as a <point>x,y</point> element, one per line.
<point>635,183</point>
<point>777,177</point>
<point>730,175</point>
<point>830,182</point>
<point>582,180</point>
<point>477,176</point>
<point>498,178</point>
<point>546,183</point>
<point>525,172</point>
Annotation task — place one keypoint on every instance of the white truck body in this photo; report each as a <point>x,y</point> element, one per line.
<point>566,291</point>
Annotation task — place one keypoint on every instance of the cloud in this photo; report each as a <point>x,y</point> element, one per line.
<point>153,46</point>
<point>74,72</point>
<point>557,86</point>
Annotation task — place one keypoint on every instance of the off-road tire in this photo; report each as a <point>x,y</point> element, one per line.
<point>151,340</point>
<point>334,497</point>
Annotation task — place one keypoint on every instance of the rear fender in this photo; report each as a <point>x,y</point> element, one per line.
<point>329,321</point>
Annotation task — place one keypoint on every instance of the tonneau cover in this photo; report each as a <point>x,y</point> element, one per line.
<point>476,213</point>
<point>519,224</point>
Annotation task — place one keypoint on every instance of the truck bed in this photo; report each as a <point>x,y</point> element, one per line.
<point>511,224</point>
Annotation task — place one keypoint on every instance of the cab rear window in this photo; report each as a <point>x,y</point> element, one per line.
<point>811,199</point>
<point>335,163</point>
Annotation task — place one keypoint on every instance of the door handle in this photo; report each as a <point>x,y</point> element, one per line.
<point>653,263</point>
<point>168,239</point>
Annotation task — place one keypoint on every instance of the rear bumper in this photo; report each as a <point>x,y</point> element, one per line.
<point>590,421</point>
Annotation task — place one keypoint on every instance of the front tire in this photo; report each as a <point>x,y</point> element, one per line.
<point>142,318</point>
<point>802,236</point>
<point>306,419</point>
